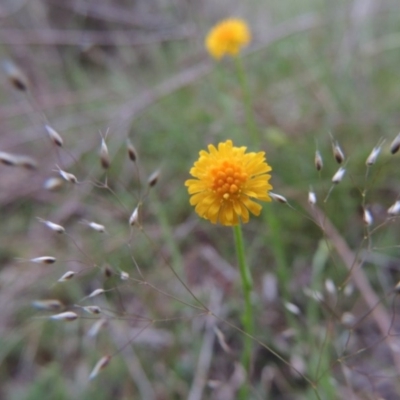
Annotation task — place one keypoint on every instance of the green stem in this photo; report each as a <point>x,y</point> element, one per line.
<point>247,317</point>
<point>251,125</point>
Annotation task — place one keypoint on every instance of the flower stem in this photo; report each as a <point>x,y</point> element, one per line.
<point>247,317</point>
<point>251,125</point>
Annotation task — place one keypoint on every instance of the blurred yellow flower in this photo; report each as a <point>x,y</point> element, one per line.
<point>227,38</point>
<point>226,180</point>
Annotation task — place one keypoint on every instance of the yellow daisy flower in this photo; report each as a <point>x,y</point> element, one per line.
<point>227,38</point>
<point>227,179</point>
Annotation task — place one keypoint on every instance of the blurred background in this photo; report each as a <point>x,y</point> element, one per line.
<point>319,72</point>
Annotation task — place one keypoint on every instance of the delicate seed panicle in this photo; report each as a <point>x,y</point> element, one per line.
<point>43,260</point>
<point>371,160</point>
<point>153,178</point>
<point>101,364</point>
<point>221,340</point>
<point>95,293</point>
<point>15,76</point>
<point>131,151</point>
<point>367,217</point>
<point>318,161</point>
<point>67,276</point>
<point>104,155</point>
<point>92,309</point>
<point>312,197</point>
<point>65,316</point>
<point>395,145</point>
<point>95,328</point>
<point>338,175</point>
<point>54,227</point>
<point>67,176</point>
<point>337,153</point>
<point>292,308</point>
<point>54,136</point>
<point>394,209</point>
<point>124,276</point>
<point>50,305</point>
<point>52,184</point>
<point>278,198</point>
<point>134,219</point>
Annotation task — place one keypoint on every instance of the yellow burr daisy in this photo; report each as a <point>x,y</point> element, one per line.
<point>227,38</point>
<point>227,179</point>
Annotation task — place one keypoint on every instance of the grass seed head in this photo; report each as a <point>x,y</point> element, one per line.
<point>318,161</point>
<point>92,309</point>
<point>394,209</point>
<point>395,145</point>
<point>132,153</point>
<point>54,227</point>
<point>65,316</point>
<point>278,198</point>
<point>15,76</point>
<point>153,178</point>
<point>52,184</point>
<point>367,217</point>
<point>67,276</point>
<point>104,155</point>
<point>124,276</point>
<point>49,305</point>
<point>43,260</point>
<point>371,160</point>
<point>67,176</point>
<point>95,328</point>
<point>95,293</point>
<point>312,197</point>
<point>134,219</point>
<point>292,308</point>
<point>8,159</point>
<point>14,160</point>
<point>337,153</point>
<point>337,178</point>
<point>54,136</point>
<point>97,227</point>
<point>100,365</point>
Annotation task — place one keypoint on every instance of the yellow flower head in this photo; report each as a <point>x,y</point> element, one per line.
<point>227,38</point>
<point>227,179</point>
